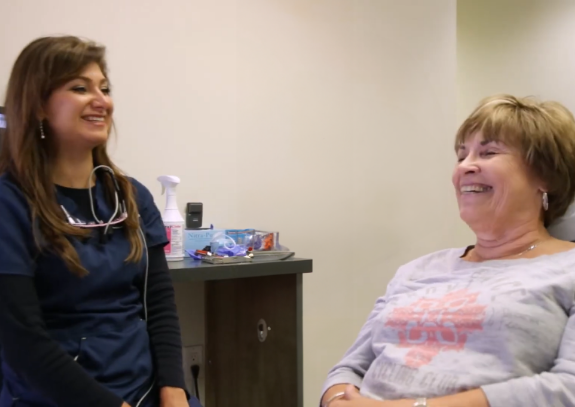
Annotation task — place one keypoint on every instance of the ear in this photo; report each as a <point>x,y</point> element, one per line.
<point>41,113</point>
<point>542,186</point>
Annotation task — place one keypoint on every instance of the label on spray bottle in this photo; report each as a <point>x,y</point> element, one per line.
<point>175,247</point>
<point>173,221</point>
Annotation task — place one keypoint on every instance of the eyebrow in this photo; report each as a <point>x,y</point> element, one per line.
<point>86,79</point>
<point>483,143</point>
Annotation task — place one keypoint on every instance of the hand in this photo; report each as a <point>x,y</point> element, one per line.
<point>173,397</point>
<point>352,398</point>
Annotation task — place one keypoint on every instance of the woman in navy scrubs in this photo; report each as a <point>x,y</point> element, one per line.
<point>87,311</point>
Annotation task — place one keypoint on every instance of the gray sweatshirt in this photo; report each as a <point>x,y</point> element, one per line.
<point>446,325</point>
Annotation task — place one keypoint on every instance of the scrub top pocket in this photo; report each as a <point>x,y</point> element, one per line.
<point>120,360</point>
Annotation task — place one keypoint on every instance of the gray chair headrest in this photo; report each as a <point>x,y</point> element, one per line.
<point>564,227</point>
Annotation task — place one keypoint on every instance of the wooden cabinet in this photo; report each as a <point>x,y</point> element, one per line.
<point>254,354</point>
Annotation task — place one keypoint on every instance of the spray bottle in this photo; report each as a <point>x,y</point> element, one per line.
<point>173,220</point>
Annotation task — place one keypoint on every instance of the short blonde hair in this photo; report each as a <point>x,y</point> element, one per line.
<point>543,132</point>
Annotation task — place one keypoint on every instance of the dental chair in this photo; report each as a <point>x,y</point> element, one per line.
<point>564,227</point>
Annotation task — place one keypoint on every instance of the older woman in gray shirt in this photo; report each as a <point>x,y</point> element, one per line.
<point>493,324</point>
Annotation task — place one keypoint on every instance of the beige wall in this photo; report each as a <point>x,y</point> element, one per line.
<point>522,47</point>
<point>329,120</point>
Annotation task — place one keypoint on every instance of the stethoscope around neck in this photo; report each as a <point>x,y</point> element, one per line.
<point>120,208</point>
<point>108,227</point>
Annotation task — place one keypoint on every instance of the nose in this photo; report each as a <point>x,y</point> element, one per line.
<point>101,101</point>
<point>469,165</point>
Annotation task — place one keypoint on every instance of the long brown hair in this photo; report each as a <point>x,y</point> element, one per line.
<point>43,66</point>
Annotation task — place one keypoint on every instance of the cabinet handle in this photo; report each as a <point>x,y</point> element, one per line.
<point>263,330</point>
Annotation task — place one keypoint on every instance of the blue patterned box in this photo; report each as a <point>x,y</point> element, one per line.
<point>197,239</point>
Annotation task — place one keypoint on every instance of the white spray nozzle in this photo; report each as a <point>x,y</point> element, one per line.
<point>170,182</point>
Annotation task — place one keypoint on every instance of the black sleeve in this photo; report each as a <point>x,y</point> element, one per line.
<point>34,356</point>
<point>163,323</point>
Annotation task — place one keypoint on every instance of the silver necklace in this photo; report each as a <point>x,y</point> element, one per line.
<point>533,246</point>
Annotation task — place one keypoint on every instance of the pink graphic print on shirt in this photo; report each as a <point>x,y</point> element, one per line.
<point>429,326</point>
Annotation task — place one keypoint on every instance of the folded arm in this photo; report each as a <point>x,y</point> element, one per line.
<point>353,366</point>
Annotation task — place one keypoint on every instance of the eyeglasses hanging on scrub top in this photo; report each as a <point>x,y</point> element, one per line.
<point>120,209</point>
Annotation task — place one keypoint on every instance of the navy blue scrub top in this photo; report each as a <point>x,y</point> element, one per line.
<point>97,319</point>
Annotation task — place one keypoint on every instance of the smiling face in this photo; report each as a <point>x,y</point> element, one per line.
<point>495,189</point>
<point>79,113</point>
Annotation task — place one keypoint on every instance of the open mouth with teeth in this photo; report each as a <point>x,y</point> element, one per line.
<point>94,119</point>
<point>475,189</point>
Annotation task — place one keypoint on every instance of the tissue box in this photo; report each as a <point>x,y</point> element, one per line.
<point>197,239</point>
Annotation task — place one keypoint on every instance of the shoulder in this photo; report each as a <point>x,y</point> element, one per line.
<point>153,227</point>
<point>442,261</point>
<point>15,211</point>
<point>11,195</point>
<point>431,259</point>
<point>144,198</point>
<point>17,246</point>
<point>145,201</point>
<point>563,260</point>
<point>8,185</point>
<point>143,194</point>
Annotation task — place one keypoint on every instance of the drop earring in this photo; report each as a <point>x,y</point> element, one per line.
<point>545,201</point>
<point>42,135</point>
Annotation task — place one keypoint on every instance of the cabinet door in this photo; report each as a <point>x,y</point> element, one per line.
<point>241,369</point>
